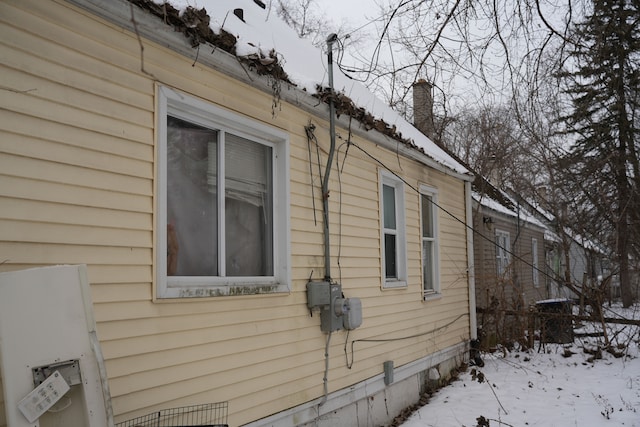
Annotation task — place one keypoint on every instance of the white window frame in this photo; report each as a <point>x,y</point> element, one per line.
<point>435,242</point>
<point>503,252</point>
<point>200,112</point>
<point>400,280</point>
<point>535,262</point>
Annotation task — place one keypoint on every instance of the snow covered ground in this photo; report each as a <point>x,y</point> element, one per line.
<point>559,386</point>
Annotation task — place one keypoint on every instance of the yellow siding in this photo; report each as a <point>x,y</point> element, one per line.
<point>77,186</point>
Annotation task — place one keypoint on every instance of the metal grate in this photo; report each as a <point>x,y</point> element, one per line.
<point>207,415</point>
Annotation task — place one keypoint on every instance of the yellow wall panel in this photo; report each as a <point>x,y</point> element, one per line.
<point>61,213</point>
<point>71,115</point>
<point>22,124</point>
<point>22,252</point>
<point>49,90</point>
<point>94,55</point>
<point>46,170</point>
<point>63,153</point>
<point>65,75</point>
<point>71,194</point>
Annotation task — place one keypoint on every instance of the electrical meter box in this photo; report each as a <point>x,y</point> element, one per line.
<point>351,313</point>
<point>336,312</point>
<point>329,319</point>
<point>318,294</point>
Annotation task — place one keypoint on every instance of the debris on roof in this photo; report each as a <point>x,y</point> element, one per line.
<point>264,44</point>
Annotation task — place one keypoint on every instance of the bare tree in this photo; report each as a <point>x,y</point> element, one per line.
<point>306,17</point>
<point>498,102</point>
<point>490,140</point>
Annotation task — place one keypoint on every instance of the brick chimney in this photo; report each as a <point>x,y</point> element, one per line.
<point>423,108</point>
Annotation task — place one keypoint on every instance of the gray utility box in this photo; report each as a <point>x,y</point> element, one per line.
<point>336,312</point>
<point>319,294</point>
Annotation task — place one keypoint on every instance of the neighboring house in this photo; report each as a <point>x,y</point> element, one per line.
<point>586,264</point>
<point>574,258</point>
<point>509,253</point>
<point>187,179</point>
<point>574,262</point>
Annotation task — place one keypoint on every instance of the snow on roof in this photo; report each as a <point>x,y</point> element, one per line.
<point>585,242</point>
<point>492,204</point>
<point>551,236</point>
<point>260,30</point>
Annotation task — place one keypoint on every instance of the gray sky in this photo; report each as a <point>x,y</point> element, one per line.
<point>355,12</point>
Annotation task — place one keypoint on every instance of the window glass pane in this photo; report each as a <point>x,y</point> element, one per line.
<point>248,207</point>
<point>389,202</point>
<point>192,209</point>
<point>390,256</point>
<point>534,252</point>
<point>427,265</point>
<point>502,251</point>
<point>427,219</point>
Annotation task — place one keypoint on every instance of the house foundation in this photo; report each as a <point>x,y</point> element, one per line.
<point>372,402</point>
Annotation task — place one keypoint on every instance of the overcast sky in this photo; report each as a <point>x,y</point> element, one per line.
<point>354,10</point>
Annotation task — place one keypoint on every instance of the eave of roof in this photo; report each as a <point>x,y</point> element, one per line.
<point>182,38</point>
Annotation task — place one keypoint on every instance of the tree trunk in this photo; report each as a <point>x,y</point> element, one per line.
<point>625,135</point>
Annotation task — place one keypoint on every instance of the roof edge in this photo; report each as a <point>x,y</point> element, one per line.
<point>150,27</point>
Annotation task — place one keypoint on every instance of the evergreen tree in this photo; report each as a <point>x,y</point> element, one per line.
<point>602,164</point>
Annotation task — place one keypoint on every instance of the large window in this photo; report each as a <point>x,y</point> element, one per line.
<point>393,231</point>
<point>429,226</point>
<point>503,252</point>
<point>222,202</point>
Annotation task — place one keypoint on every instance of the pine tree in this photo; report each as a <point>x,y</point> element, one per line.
<point>603,163</point>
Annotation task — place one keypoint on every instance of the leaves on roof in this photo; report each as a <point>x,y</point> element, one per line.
<point>345,105</point>
<point>195,25</point>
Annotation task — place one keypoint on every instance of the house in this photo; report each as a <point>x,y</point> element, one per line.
<point>510,270</point>
<point>509,251</point>
<point>574,262</point>
<point>123,125</point>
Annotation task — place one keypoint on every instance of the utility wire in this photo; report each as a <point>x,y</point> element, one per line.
<point>350,364</point>
<point>375,56</point>
<point>514,255</point>
<point>350,142</point>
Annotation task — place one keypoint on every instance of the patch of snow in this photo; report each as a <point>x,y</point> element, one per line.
<point>551,236</point>
<point>558,386</point>
<point>552,300</point>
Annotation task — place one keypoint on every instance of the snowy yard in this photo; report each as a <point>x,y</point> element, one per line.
<point>560,385</point>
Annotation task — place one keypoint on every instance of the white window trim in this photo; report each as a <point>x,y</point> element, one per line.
<point>204,113</point>
<point>433,193</point>
<point>400,281</point>
<point>535,262</point>
<point>507,251</point>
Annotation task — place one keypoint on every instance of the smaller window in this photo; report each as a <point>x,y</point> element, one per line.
<point>503,252</point>
<point>534,262</point>
<point>393,232</point>
<point>429,226</point>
